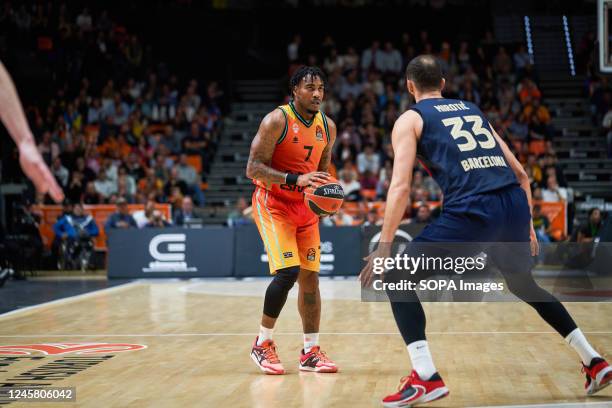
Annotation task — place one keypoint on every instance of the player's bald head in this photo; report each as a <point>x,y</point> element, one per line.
<point>426,73</point>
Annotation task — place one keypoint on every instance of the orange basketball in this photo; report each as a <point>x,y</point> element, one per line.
<point>325,199</point>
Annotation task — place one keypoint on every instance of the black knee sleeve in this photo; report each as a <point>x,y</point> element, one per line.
<point>276,294</point>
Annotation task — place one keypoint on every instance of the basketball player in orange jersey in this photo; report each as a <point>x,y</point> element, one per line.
<point>291,151</point>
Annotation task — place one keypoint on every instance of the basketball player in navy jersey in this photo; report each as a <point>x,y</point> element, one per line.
<point>487,198</point>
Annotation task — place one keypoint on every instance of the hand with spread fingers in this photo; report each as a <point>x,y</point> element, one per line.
<point>11,114</point>
<point>367,275</point>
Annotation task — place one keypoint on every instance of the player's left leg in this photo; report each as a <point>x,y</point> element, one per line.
<point>513,259</point>
<point>312,358</point>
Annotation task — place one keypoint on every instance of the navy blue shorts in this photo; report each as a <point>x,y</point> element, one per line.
<point>497,222</point>
<point>498,216</point>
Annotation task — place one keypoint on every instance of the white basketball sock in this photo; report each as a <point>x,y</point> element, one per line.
<point>577,340</point>
<point>310,340</point>
<point>421,359</point>
<point>264,334</point>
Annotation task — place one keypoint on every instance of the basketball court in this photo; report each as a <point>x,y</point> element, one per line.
<point>176,342</point>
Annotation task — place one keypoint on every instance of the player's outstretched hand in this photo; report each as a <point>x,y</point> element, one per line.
<point>35,168</point>
<point>533,242</point>
<point>314,178</point>
<point>367,274</point>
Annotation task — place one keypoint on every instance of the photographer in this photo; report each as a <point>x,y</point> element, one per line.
<point>157,221</point>
<point>76,230</point>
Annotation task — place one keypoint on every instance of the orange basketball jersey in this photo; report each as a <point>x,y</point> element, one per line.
<point>298,150</point>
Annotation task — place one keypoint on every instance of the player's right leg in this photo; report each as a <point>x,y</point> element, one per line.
<point>423,384</point>
<point>279,240</point>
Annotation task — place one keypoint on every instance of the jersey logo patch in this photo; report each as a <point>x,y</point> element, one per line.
<point>295,139</point>
<point>319,134</point>
<point>295,127</point>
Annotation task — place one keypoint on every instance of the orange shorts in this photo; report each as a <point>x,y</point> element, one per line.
<point>289,230</point>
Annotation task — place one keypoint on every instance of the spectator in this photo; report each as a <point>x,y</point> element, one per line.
<point>390,59</point>
<point>157,221</point>
<point>60,172</point>
<point>339,219</point>
<point>123,178</point>
<point>368,180</point>
<point>350,86</point>
<point>293,50</point>
<point>528,91</point>
<point>521,59</point>
<point>142,217</point>
<point>122,218</point>
<point>75,225</point>
<point>350,185</point>
<point>372,218</point>
<point>48,148</point>
<point>368,160</point>
<point>541,225</point>
<point>590,230</point>
<point>185,213</point>
<point>553,192</point>
<point>104,187</point>
<point>91,196</point>
<point>188,175</point>
<point>84,21</point>
<point>371,58</point>
<point>174,181</point>
<point>423,215</point>
<point>76,187</point>
<point>237,217</point>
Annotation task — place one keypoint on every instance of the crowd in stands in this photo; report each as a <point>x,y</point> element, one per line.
<point>119,126</point>
<point>147,136</point>
<point>366,93</point>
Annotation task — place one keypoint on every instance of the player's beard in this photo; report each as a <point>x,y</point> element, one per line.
<point>313,111</point>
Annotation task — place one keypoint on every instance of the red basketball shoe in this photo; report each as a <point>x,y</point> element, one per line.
<point>266,358</point>
<point>413,390</point>
<point>317,361</point>
<point>598,375</point>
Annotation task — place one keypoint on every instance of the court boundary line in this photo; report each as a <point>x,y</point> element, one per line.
<point>283,334</point>
<point>553,404</point>
<point>69,299</point>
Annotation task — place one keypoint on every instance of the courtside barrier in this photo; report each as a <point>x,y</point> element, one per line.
<point>171,253</point>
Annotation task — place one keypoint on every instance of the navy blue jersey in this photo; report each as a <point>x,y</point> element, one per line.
<point>459,149</point>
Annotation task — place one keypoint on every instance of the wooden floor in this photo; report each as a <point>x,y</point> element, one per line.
<point>198,343</point>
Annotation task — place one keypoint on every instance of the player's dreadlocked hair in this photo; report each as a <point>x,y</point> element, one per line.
<point>304,72</point>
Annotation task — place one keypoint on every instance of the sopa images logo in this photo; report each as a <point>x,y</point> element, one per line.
<point>168,252</point>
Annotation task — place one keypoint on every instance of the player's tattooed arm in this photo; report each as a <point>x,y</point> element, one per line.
<point>329,148</point>
<point>262,149</point>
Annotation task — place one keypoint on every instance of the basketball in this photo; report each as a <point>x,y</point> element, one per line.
<point>325,199</point>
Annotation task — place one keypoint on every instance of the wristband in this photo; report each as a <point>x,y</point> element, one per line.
<point>291,179</point>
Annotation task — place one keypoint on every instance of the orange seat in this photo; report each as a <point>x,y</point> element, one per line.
<point>368,194</point>
<point>195,161</point>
